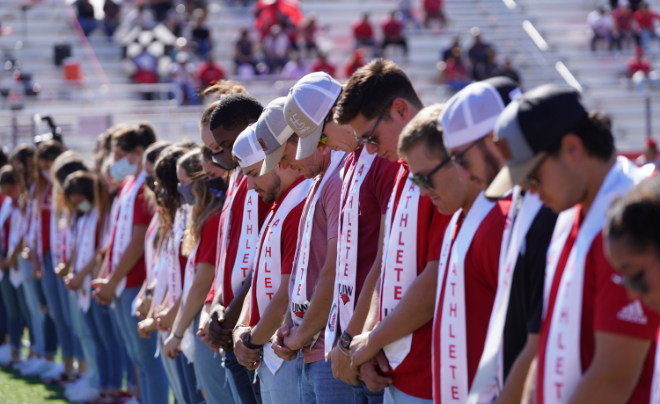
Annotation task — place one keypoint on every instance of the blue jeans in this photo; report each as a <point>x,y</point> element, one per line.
<point>396,396</point>
<point>38,340</point>
<point>645,37</point>
<point>58,310</point>
<point>17,312</point>
<point>362,395</point>
<point>188,380</point>
<point>171,370</point>
<point>283,387</point>
<point>241,379</point>
<point>141,351</point>
<point>109,358</point>
<point>318,385</point>
<point>88,25</point>
<point>210,373</point>
<point>84,334</point>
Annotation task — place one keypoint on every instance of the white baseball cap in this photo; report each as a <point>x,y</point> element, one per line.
<point>272,133</point>
<point>246,148</point>
<point>471,113</point>
<point>307,105</point>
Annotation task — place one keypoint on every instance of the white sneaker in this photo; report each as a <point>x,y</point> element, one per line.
<point>133,400</point>
<point>37,368</point>
<point>53,373</point>
<point>22,365</point>
<point>80,383</point>
<point>83,394</point>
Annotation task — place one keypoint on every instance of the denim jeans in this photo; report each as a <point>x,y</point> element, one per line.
<point>58,310</point>
<point>283,387</point>
<point>16,309</point>
<point>362,395</point>
<point>151,374</point>
<point>188,380</point>
<point>645,36</point>
<point>84,335</point>
<point>109,358</point>
<point>170,368</point>
<point>37,337</point>
<point>396,396</point>
<point>211,375</point>
<point>318,385</point>
<point>241,380</point>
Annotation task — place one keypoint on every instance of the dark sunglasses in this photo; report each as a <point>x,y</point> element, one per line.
<point>371,138</point>
<point>424,181</point>
<point>531,181</point>
<point>636,282</point>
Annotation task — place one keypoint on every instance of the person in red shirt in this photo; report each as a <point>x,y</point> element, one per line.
<point>622,17</point>
<point>433,11</point>
<point>286,190</point>
<point>645,18</point>
<point>354,63</point>
<point>456,74</point>
<point>378,90</point>
<point>209,72</point>
<point>363,32</point>
<point>125,263</point>
<point>321,64</point>
<point>639,70</point>
<point>571,164</point>
<point>393,33</point>
<point>243,210</point>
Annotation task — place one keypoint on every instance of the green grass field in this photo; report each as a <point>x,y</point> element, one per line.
<point>17,390</point>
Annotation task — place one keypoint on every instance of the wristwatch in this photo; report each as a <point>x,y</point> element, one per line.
<point>345,340</point>
<point>248,344</point>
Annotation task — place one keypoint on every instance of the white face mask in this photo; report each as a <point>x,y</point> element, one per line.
<point>122,168</point>
<point>85,206</point>
<point>46,174</point>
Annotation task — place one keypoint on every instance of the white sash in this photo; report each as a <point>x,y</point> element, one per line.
<point>347,248</point>
<point>299,301</point>
<point>17,229</point>
<point>161,271</point>
<point>453,343</point>
<point>489,379</point>
<point>267,278</point>
<point>149,250</point>
<point>57,237</point>
<point>563,345</point>
<point>6,210</point>
<point>188,340</point>
<point>246,243</point>
<point>86,242</point>
<point>223,234</point>
<point>175,287</point>
<point>124,224</point>
<point>399,267</point>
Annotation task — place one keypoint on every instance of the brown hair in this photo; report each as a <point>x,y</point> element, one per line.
<point>206,204</point>
<point>369,90</point>
<point>47,151</point>
<point>168,198</point>
<point>129,138</point>
<point>424,128</point>
<point>218,90</point>
<point>87,184</point>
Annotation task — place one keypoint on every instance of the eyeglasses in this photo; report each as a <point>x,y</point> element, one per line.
<point>371,138</point>
<point>531,181</point>
<point>636,282</point>
<point>424,181</point>
<point>458,158</point>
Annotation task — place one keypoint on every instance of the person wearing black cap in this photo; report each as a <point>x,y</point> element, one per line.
<point>512,338</point>
<point>595,344</point>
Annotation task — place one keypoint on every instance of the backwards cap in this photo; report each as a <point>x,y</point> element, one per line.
<point>308,103</point>
<point>472,112</point>
<point>246,148</point>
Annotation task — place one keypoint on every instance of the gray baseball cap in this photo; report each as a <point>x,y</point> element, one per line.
<point>529,127</point>
<point>307,105</point>
<point>272,133</point>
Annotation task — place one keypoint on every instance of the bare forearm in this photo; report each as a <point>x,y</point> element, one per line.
<point>195,297</point>
<point>273,316</point>
<point>319,307</point>
<point>234,308</point>
<point>413,311</point>
<point>515,381</point>
<point>128,260</point>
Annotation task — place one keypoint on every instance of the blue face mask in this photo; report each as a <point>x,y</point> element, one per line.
<point>218,186</point>
<point>186,193</point>
<point>122,168</point>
